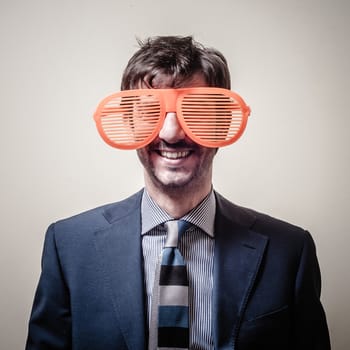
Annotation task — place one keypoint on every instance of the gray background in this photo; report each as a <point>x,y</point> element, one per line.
<point>288,59</point>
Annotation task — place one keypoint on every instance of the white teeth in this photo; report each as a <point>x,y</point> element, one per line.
<point>174,155</point>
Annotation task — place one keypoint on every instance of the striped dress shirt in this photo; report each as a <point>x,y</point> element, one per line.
<point>197,248</point>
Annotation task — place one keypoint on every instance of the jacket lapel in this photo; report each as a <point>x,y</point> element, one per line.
<point>121,255</point>
<point>238,254</point>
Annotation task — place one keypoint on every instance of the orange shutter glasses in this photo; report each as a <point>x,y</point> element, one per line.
<point>211,117</point>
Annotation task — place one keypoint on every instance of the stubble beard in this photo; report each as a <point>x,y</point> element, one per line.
<point>179,187</point>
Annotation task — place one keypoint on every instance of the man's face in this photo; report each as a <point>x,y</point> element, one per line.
<point>173,161</point>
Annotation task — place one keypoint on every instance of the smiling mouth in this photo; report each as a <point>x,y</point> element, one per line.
<point>174,154</point>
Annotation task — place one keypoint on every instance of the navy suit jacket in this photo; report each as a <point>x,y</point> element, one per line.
<point>91,293</point>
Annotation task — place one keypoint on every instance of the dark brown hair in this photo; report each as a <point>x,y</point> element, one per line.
<point>177,57</point>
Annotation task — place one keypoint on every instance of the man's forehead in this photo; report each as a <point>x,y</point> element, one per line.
<point>164,81</point>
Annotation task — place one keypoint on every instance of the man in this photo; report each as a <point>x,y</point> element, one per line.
<point>253,281</point>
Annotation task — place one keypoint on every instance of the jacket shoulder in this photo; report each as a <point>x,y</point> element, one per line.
<point>258,221</point>
<point>100,217</point>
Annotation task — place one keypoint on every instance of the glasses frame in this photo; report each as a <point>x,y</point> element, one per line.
<point>170,100</point>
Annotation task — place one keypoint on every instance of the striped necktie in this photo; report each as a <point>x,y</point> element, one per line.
<point>169,326</point>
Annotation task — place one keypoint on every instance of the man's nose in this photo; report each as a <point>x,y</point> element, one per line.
<point>171,131</point>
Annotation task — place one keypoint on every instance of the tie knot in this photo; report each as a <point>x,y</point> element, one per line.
<point>175,229</point>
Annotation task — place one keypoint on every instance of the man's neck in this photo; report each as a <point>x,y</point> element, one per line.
<point>178,202</point>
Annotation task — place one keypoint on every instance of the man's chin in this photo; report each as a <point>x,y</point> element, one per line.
<point>173,184</point>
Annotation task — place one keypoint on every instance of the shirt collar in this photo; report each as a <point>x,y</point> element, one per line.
<point>203,215</point>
